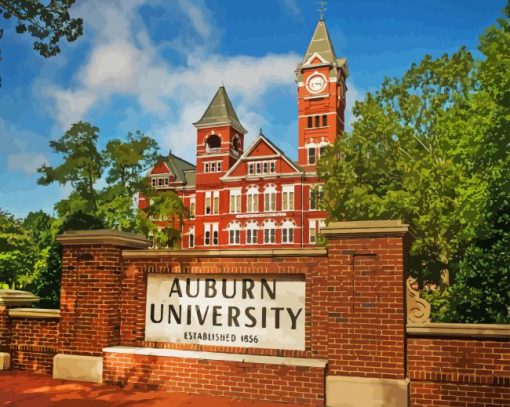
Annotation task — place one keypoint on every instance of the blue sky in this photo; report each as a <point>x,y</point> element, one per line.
<point>154,65</point>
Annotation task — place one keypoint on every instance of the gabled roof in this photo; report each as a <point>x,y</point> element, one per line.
<point>262,139</point>
<point>220,111</point>
<point>184,171</point>
<point>322,46</point>
<point>178,166</point>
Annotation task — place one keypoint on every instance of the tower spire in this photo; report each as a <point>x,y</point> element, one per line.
<point>322,9</point>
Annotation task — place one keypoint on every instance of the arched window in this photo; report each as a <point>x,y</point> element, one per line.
<point>234,233</point>
<point>311,155</point>
<point>236,143</point>
<point>191,237</point>
<point>269,228</point>
<point>270,198</point>
<point>252,199</point>
<point>251,232</point>
<point>288,231</point>
<point>213,143</point>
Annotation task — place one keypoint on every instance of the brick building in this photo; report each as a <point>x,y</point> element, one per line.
<point>257,196</point>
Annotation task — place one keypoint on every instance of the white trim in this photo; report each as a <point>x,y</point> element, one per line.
<point>314,55</point>
<point>321,96</point>
<point>229,357</point>
<point>245,155</point>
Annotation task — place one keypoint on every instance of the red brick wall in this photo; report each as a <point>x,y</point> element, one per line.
<point>291,384</point>
<point>89,303</point>
<point>5,328</point>
<point>33,344</point>
<point>365,301</point>
<point>459,372</point>
<point>133,297</point>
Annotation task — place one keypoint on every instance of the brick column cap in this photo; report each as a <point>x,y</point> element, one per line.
<point>103,236</point>
<point>17,297</point>
<point>365,228</point>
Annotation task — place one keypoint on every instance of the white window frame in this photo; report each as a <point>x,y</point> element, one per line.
<point>288,197</point>
<point>270,198</point>
<point>234,233</point>
<point>252,199</point>
<point>252,229</point>
<point>288,231</point>
<point>208,199</point>
<point>269,231</point>
<point>215,235</point>
<point>192,207</point>
<point>235,201</point>
<point>216,203</point>
<point>191,237</point>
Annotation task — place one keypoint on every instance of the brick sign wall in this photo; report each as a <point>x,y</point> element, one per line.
<point>345,319</point>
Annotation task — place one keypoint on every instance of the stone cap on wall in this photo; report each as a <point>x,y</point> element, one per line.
<point>16,297</point>
<point>365,228</point>
<point>34,313</point>
<point>436,329</point>
<point>103,236</point>
<point>298,252</point>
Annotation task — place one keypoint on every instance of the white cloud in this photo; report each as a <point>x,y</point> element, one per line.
<point>291,6</point>
<point>27,163</point>
<point>124,61</point>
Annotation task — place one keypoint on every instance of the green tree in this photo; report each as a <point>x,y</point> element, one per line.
<point>82,167</point>
<point>17,253</point>
<point>47,268</point>
<point>481,292</point>
<point>429,148</point>
<point>47,22</point>
<point>163,220</point>
<point>126,162</point>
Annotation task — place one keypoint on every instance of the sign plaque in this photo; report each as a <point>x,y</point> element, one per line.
<point>226,310</point>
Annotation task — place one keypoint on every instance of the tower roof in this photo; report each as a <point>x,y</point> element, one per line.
<point>220,112</point>
<point>322,46</point>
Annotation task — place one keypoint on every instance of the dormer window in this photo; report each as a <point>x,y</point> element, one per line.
<point>160,182</point>
<point>262,167</point>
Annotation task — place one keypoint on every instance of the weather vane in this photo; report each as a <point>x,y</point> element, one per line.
<point>322,8</point>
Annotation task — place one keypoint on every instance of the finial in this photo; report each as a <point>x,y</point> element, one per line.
<point>322,8</point>
<point>260,132</point>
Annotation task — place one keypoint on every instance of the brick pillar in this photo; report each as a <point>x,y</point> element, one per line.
<point>90,299</point>
<point>366,313</point>
<point>10,299</point>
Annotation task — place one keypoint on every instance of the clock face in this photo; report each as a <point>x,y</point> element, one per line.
<point>315,83</point>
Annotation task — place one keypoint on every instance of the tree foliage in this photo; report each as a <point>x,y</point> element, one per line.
<point>429,148</point>
<point>120,167</point>
<point>47,22</point>
<point>17,253</point>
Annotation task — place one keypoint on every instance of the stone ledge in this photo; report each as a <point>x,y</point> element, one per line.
<point>5,361</point>
<point>228,357</point>
<point>34,313</point>
<point>459,330</point>
<point>78,367</point>
<point>298,252</point>
<point>365,228</point>
<point>349,391</point>
<point>103,236</point>
<point>17,297</point>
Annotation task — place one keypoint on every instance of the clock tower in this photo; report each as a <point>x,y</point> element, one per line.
<point>321,84</point>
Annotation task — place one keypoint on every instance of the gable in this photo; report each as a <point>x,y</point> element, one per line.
<point>262,152</point>
<point>261,149</point>
<point>160,168</point>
